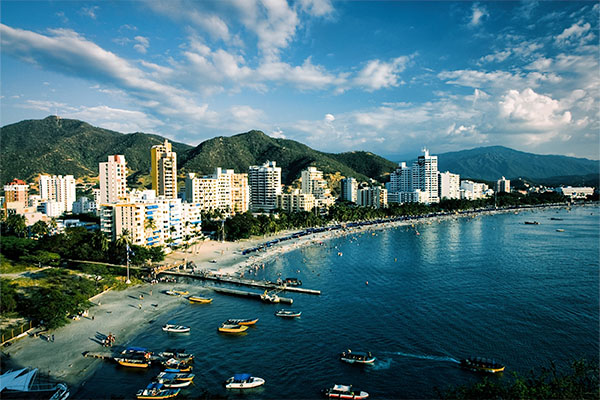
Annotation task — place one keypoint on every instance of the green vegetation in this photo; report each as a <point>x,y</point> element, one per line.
<point>581,382</point>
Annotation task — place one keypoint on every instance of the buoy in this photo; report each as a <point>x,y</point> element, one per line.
<point>366,282</point>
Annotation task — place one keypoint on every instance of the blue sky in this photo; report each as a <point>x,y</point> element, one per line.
<point>388,77</point>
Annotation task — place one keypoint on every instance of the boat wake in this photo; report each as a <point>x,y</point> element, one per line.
<point>425,357</point>
<point>381,364</point>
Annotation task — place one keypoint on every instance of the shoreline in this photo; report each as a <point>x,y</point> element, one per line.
<point>118,312</point>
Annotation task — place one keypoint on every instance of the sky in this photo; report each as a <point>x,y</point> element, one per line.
<point>390,77</point>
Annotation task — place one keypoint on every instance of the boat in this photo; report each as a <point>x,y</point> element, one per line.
<point>180,292</point>
<point>292,282</point>
<point>169,382</point>
<point>531,223</point>
<point>241,321</point>
<point>177,365</point>
<point>133,362</point>
<point>560,230</point>
<point>556,219</point>
<point>26,383</point>
<point>178,354</point>
<point>171,293</point>
<point>269,297</point>
<point>232,328</point>
<point>358,357</point>
<point>200,300</point>
<point>174,379</point>
<point>175,328</point>
<point>288,314</point>
<point>243,381</point>
<point>345,392</point>
<point>157,391</point>
<point>479,364</point>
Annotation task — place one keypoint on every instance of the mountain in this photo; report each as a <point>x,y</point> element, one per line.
<point>491,163</point>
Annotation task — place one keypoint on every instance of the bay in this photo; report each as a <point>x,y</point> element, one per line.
<point>487,286</point>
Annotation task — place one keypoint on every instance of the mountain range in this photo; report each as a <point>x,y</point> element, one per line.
<point>60,146</point>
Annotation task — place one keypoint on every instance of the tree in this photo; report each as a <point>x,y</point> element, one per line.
<point>40,228</point>
<point>17,224</point>
<point>8,301</point>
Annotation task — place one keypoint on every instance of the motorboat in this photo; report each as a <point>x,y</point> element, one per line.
<point>345,392</point>
<point>157,391</point>
<point>358,357</point>
<point>241,321</point>
<point>168,382</point>
<point>479,364</point>
<point>288,313</point>
<point>531,223</point>
<point>175,379</point>
<point>177,365</point>
<point>270,297</point>
<point>178,354</point>
<point>243,381</point>
<point>26,383</point>
<point>133,362</point>
<point>178,375</point>
<point>200,300</point>
<point>180,292</point>
<point>232,328</point>
<point>292,282</point>
<point>175,328</point>
<point>560,230</point>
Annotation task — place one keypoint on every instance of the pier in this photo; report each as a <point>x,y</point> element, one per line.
<point>244,293</point>
<point>102,356</point>
<point>243,282</point>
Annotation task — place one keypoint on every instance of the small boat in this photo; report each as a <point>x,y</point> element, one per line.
<point>243,381</point>
<point>556,219</point>
<point>178,354</point>
<point>171,293</point>
<point>232,328</point>
<point>288,314</point>
<point>198,299</point>
<point>345,392</point>
<point>177,365</point>
<point>269,297</point>
<point>531,223</point>
<point>180,292</point>
<point>171,374</point>
<point>176,328</point>
<point>560,230</point>
<point>133,362</point>
<point>156,391</point>
<point>357,357</point>
<point>479,364</point>
<point>292,282</point>
<point>241,321</point>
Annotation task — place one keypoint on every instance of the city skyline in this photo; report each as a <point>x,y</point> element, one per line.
<point>387,77</point>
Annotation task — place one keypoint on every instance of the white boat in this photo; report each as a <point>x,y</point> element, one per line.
<point>243,381</point>
<point>358,357</point>
<point>174,380</point>
<point>345,392</point>
<point>176,328</point>
<point>288,313</point>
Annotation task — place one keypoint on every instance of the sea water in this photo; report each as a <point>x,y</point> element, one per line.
<point>487,286</point>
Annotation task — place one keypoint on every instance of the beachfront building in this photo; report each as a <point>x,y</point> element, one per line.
<point>470,190</point>
<point>503,185</point>
<point>113,180</point>
<point>313,183</point>
<point>400,179</point>
<point>575,192</point>
<point>16,191</point>
<point>265,185</point>
<point>240,193</point>
<point>225,191</point>
<point>58,189</point>
<point>374,196</point>
<point>201,190</point>
<point>83,205</point>
<point>163,170</point>
<point>424,176</point>
<point>349,188</point>
<point>448,185</point>
<point>296,201</point>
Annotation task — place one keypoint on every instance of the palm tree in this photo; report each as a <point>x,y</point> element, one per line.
<point>17,224</point>
<point>40,228</point>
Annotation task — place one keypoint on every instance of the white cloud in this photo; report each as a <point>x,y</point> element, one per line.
<point>498,56</point>
<point>142,44</point>
<point>116,119</point>
<point>318,8</point>
<point>329,117</point>
<point>478,13</point>
<point>576,31</point>
<point>378,74</point>
<point>89,11</point>
<point>533,111</point>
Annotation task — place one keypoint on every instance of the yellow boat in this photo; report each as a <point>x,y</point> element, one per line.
<point>241,321</point>
<point>132,362</point>
<point>232,328</point>
<point>180,292</point>
<point>198,299</point>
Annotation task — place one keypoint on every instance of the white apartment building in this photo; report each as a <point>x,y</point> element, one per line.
<point>470,190</point>
<point>58,188</point>
<point>52,209</point>
<point>374,196</point>
<point>225,191</point>
<point>113,180</point>
<point>503,185</point>
<point>401,179</point>
<point>83,205</point>
<point>449,185</point>
<point>265,185</point>
<point>163,170</point>
<point>349,189</point>
<point>575,192</point>
<point>202,190</point>
<point>313,183</point>
<point>425,176</point>
<point>296,201</point>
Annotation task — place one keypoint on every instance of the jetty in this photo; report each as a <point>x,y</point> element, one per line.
<point>244,293</point>
<point>242,282</point>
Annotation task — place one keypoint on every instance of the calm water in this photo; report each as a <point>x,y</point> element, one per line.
<point>487,286</point>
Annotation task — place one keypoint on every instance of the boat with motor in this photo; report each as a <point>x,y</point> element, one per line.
<point>243,381</point>
<point>178,354</point>
<point>175,364</point>
<point>27,383</point>
<point>270,297</point>
<point>479,364</point>
<point>133,362</point>
<point>174,328</point>
<point>174,379</point>
<point>560,230</point>
<point>200,300</point>
<point>232,328</point>
<point>292,282</point>
<point>556,219</point>
<point>288,314</point>
<point>531,223</point>
<point>345,392</point>
<point>241,321</point>
<point>357,357</point>
<point>157,390</point>
<point>170,382</point>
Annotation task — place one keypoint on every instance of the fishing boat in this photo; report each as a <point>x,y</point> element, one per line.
<point>171,293</point>
<point>241,321</point>
<point>179,354</point>
<point>556,219</point>
<point>133,362</point>
<point>560,230</point>
<point>180,292</point>
<point>243,381</point>
<point>531,223</point>
<point>169,382</point>
<point>157,391</point>
<point>479,364</point>
<point>175,328</point>
<point>345,392</point>
<point>358,357</point>
<point>270,297</point>
<point>200,300</point>
<point>177,365</point>
<point>288,314</point>
<point>174,378</point>
<point>232,328</point>
<point>292,282</point>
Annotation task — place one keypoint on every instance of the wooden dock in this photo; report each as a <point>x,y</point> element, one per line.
<point>244,293</point>
<point>244,282</point>
<point>103,356</point>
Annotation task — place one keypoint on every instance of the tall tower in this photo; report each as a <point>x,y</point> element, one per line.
<point>58,188</point>
<point>265,185</point>
<point>164,170</point>
<point>425,176</point>
<point>113,180</point>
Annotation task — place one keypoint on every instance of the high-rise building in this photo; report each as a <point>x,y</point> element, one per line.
<point>425,176</point>
<point>448,185</point>
<point>16,191</point>
<point>265,185</point>
<point>400,179</point>
<point>113,180</point>
<point>58,188</point>
<point>225,191</point>
<point>240,193</point>
<point>164,170</point>
<point>202,190</point>
<point>503,185</point>
<point>470,190</point>
<point>349,189</point>
<point>374,196</point>
<point>296,201</point>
